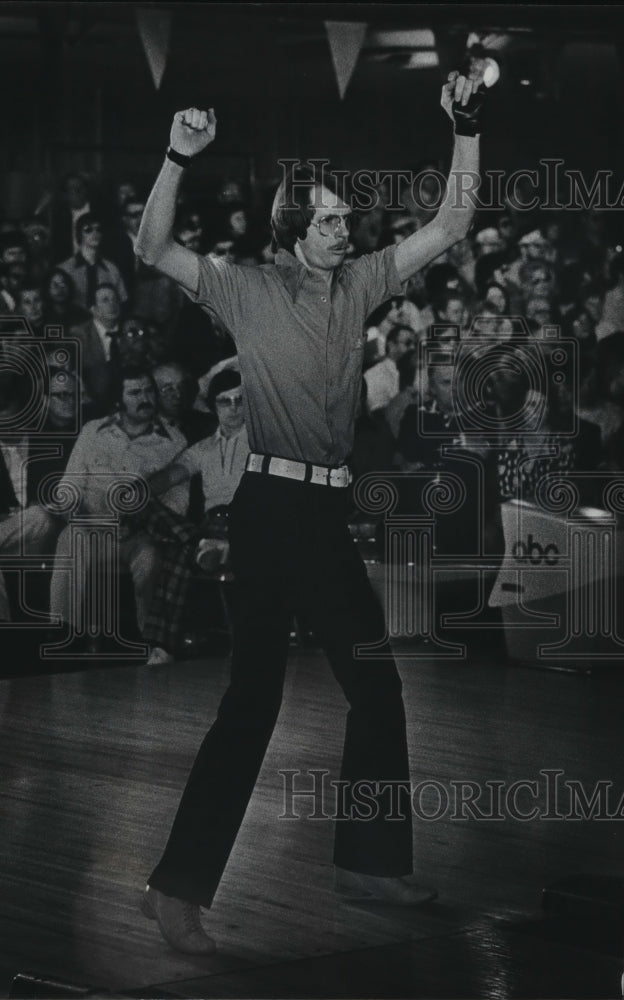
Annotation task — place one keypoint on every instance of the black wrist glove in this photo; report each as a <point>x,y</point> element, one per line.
<point>468,117</point>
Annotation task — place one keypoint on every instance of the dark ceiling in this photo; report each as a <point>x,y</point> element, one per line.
<point>76,75</point>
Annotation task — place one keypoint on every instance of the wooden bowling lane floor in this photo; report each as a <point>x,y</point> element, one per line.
<point>92,764</point>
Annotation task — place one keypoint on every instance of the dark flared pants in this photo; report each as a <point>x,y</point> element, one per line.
<point>291,550</point>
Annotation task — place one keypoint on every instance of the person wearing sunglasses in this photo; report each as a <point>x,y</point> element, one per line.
<point>88,268</point>
<point>219,462</point>
<point>298,325</point>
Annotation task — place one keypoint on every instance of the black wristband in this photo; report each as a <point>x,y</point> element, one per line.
<point>468,117</point>
<point>180,158</point>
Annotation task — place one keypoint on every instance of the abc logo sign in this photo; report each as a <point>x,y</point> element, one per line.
<point>534,553</point>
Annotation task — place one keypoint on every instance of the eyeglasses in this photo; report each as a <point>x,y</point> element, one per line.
<point>330,225</point>
<point>133,332</point>
<point>95,228</point>
<point>229,400</point>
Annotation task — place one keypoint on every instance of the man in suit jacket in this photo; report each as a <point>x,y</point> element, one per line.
<point>98,343</point>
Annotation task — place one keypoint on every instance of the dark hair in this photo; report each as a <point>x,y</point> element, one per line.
<point>67,278</point>
<point>393,333</point>
<point>441,303</point>
<point>485,267</point>
<point>501,288</point>
<point>292,212</point>
<point>379,314</point>
<point>437,279</point>
<point>88,219</point>
<point>229,378</point>
<point>191,384</point>
<point>130,373</point>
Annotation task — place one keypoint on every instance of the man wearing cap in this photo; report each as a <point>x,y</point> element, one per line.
<point>298,327</point>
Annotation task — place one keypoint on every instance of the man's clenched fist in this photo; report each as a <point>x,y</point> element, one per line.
<point>192,131</point>
<point>459,89</point>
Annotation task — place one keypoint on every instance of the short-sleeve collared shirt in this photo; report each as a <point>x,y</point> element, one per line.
<point>300,344</point>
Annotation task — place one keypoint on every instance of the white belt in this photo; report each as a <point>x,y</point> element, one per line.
<point>305,472</point>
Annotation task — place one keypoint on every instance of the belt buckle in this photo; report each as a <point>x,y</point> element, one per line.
<point>336,472</point>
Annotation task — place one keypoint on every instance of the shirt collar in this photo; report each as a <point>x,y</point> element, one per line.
<point>102,330</point>
<point>80,261</point>
<point>293,272</point>
<point>156,426</point>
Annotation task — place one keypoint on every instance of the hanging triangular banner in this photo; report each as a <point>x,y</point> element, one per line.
<point>345,41</point>
<point>155,29</point>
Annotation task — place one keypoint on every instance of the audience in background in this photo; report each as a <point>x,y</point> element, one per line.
<point>71,264</point>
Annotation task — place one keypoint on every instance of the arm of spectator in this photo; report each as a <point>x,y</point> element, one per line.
<point>191,132</point>
<point>165,479</point>
<point>76,474</point>
<point>455,215</point>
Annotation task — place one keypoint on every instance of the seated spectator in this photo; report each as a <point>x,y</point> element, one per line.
<point>220,461</point>
<point>488,241</point>
<point>141,343</point>
<point>533,247</point>
<point>37,234</point>
<point>188,231</point>
<point>132,440</point>
<point>87,268</point>
<point>538,312</point>
<point>413,390</point>
<point>537,278</point>
<point>462,258</point>
<point>30,306</point>
<point>506,229</point>
<point>382,380</point>
<point>450,310</point>
<point>496,295</point>
<point>495,267</point>
<point>442,278</point>
<point>123,241</point>
<point>59,308</point>
<point>486,321</point>
<point>99,347</point>
<point>177,390</point>
<point>14,255</point>
<point>530,434</point>
<point>74,200</point>
<point>396,311</point>
<point>431,440</point>
<point>26,526</point>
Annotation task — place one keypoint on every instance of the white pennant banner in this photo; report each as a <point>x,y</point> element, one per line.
<point>155,30</point>
<point>345,42</point>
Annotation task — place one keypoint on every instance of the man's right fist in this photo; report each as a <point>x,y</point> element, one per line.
<point>192,131</point>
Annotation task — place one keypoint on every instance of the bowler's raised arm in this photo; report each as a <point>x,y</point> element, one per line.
<point>462,101</point>
<point>192,130</point>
